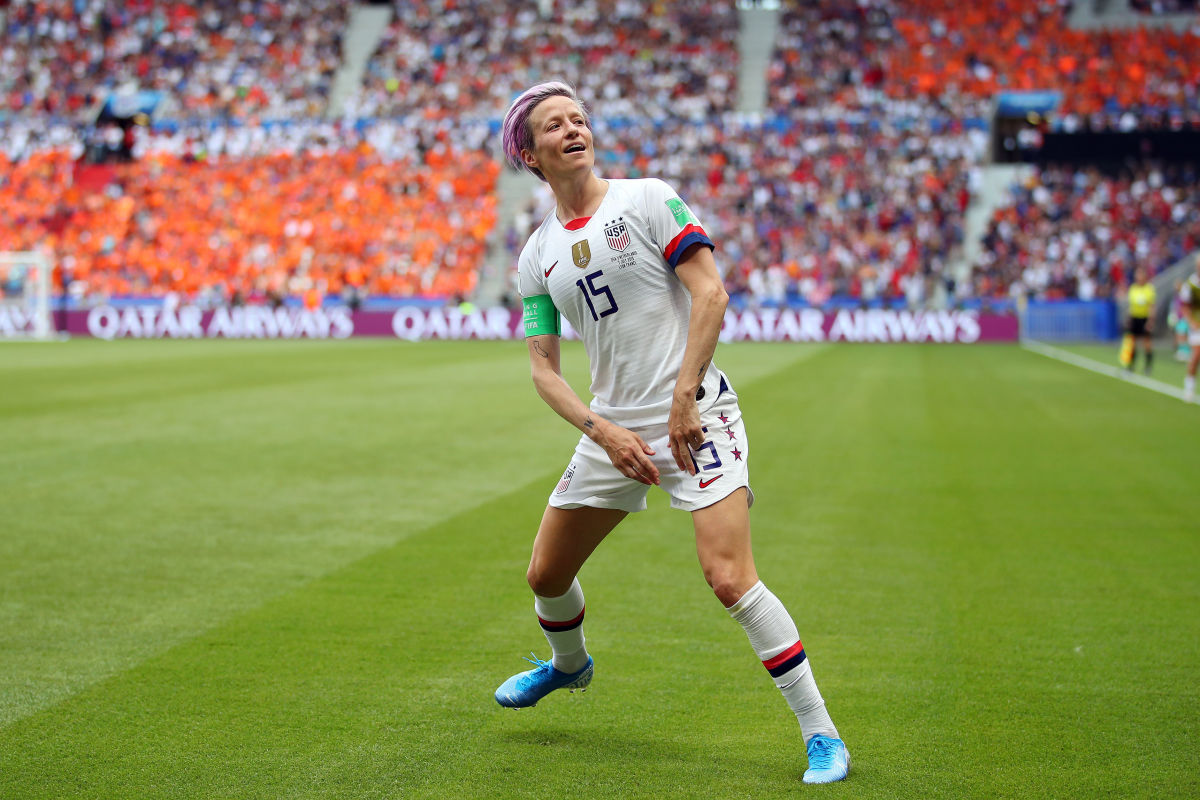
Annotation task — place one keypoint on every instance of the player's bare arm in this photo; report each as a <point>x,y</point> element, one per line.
<point>627,451</point>
<point>697,271</point>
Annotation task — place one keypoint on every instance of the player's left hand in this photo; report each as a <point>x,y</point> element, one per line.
<point>683,428</point>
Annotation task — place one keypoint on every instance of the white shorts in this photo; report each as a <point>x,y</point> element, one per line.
<point>592,480</point>
<point>1194,337</point>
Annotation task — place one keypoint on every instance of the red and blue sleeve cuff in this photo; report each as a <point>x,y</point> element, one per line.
<point>692,234</point>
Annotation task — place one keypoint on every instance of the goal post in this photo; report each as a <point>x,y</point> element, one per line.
<point>25,286</point>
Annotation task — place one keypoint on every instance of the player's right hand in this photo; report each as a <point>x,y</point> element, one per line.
<point>629,453</point>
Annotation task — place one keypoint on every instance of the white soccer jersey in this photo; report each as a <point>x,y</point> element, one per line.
<point>1189,293</point>
<point>612,275</point>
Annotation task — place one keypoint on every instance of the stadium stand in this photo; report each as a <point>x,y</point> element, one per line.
<point>64,58</point>
<point>1077,232</point>
<point>471,58</point>
<point>927,66</point>
<point>1027,45</point>
<point>852,182</point>
<point>261,226</point>
<point>959,56</point>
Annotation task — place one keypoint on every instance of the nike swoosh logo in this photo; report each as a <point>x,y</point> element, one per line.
<point>707,483</point>
<point>552,266</point>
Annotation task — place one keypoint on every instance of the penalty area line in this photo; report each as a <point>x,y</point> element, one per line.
<point>1103,369</point>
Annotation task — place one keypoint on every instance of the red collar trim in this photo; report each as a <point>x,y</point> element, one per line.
<point>576,224</point>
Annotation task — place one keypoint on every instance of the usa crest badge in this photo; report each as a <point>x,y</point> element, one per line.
<point>566,479</point>
<point>581,252</point>
<point>617,235</point>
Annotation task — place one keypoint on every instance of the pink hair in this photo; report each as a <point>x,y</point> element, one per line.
<point>516,133</point>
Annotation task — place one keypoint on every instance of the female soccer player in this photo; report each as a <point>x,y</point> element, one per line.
<point>1191,296</point>
<point>632,269</point>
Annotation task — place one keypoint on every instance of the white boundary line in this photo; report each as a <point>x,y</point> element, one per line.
<point>1103,369</point>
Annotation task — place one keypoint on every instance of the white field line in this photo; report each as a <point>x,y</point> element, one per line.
<point>1110,370</point>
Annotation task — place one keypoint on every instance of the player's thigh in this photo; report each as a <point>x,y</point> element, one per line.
<point>564,541</point>
<point>723,546</point>
<point>592,481</point>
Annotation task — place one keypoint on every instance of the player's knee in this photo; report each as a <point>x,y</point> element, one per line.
<point>547,583</point>
<point>729,583</point>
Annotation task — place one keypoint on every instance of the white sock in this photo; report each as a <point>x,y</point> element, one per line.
<point>562,622</point>
<point>1189,385</point>
<point>775,640</point>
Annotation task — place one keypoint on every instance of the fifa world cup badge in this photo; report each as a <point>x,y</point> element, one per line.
<point>581,252</point>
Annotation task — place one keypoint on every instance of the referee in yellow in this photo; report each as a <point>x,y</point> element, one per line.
<point>1141,317</point>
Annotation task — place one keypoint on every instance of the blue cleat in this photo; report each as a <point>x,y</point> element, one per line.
<point>525,688</point>
<point>828,760</point>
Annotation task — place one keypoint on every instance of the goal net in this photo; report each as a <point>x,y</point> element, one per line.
<point>25,296</point>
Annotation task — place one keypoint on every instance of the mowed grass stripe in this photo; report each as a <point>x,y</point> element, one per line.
<point>376,681</point>
<point>971,578</point>
<point>757,360</point>
<point>1008,526</point>
<point>134,522</point>
<point>155,488</point>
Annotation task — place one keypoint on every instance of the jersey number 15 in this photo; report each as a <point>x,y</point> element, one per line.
<point>591,290</point>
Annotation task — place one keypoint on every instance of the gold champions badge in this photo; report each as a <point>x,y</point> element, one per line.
<point>581,252</point>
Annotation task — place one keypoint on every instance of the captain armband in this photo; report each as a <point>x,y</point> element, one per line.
<point>541,316</point>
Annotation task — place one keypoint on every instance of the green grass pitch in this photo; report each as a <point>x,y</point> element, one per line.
<point>296,569</point>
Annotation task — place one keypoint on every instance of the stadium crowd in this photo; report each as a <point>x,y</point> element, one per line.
<point>257,58</point>
<point>958,56</point>
<point>346,220</point>
<point>854,182</point>
<point>1079,233</point>
<point>470,58</point>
